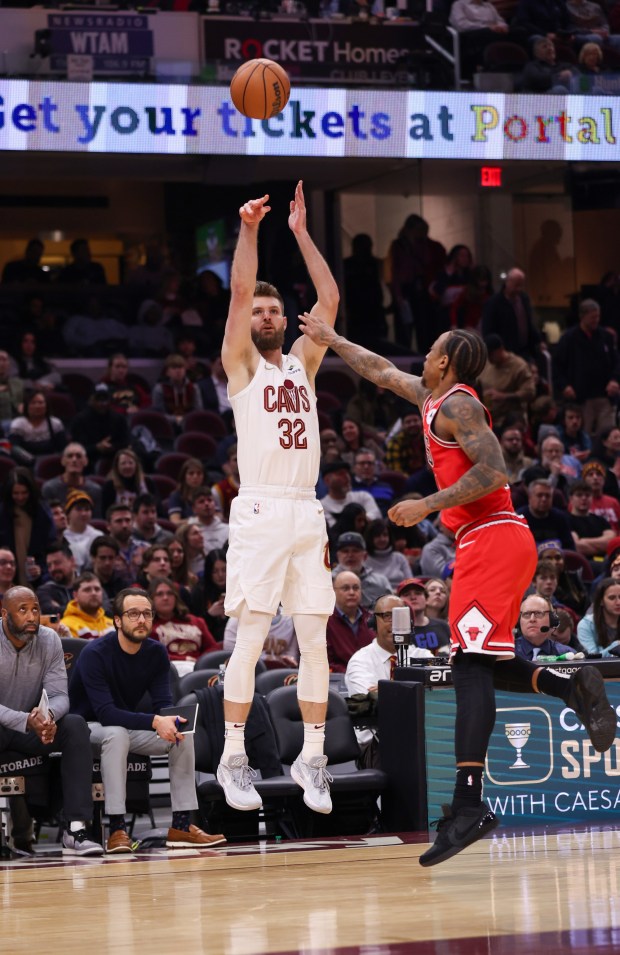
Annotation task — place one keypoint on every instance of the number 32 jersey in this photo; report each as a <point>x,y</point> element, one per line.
<point>277,427</point>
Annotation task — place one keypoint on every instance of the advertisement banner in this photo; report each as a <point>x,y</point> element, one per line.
<point>162,119</point>
<point>117,42</point>
<point>315,49</point>
<point>541,765</point>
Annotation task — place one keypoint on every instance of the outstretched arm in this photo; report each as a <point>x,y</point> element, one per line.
<point>461,419</point>
<point>364,362</point>
<point>324,282</point>
<point>237,348</point>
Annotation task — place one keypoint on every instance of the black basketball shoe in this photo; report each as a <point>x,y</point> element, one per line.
<point>587,697</point>
<point>456,831</point>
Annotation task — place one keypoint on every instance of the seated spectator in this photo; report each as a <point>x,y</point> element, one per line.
<point>176,394</point>
<point>185,636</point>
<point>332,447</point>
<point>507,383</point>
<point>101,431</point>
<point>427,634</point>
<point>591,533</point>
<point>126,480</point>
<point>566,633</point>
<point>119,520</point>
<point>82,270</point>
<point>207,597</point>
<point>553,464</point>
<point>84,616</point>
<point>26,525</point>
<point>36,431</point>
<point>32,367</point>
<point>546,522</point>
<point>348,627</point>
<point>405,451</point>
<point>155,563</point>
<point>603,505</point>
<point>382,557</point>
<point>589,78</point>
<point>353,440</point>
<point>534,624</point>
<point>352,518</point>
<point>438,555</point>
<point>145,527</point>
<point>351,555</point>
<point>26,729</point>
<point>214,390</point>
<point>542,74</point>
<point>212,302</point>
<point>190,537</point>
<point>74,461</point>
<point>150,336</point>
<point>11,392</point>
<point>179,565</point>
<point>588,24</point>
<point>93,329</point>
<point>187,346</point>
<point>437,598</point>
<point>27,271</point>
<point>55,593</point>
<point>542,17</point>
<point>599,631</point>
<point>57,510</point>
<point>110,679</point>
<point>378,408</point>
<point>8,569</point>
<point>337,477</point>
<point>126,396</point>
<point>80,533</point>
<point>280,649</point>
<point>511,443</point>
<point>479,24</point>
<point>214,531</point>
<point>576,441</point>
<point>365,479</point>
<point>606,449</point>
<point>191,476</point>
<point>104,557</point>
<point>571,590</point>
<point>226,490</point>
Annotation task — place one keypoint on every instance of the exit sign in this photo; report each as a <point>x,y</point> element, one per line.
<point>491,176</point>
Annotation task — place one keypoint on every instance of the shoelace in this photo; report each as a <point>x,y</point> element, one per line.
<point>243,775</point>
<point>321,778</point>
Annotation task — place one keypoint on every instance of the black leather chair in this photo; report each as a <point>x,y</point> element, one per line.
<point>213,659</point>
<point>72,647</point>
<point>354,791</point>
<point>270,679</point>
<point>197,680</point>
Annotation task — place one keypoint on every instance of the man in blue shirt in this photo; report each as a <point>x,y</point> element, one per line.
<point>110,679</point>
<point>537,624</point>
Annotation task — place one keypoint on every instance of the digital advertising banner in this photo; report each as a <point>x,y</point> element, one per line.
<point>168,118</point>
<point>541,765</point>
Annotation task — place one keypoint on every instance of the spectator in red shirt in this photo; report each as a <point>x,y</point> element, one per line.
<point>347,628</point>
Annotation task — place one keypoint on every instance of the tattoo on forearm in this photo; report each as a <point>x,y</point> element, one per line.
<point>379,370</point>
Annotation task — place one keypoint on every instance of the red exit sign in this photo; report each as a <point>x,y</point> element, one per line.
<point>491,176</point>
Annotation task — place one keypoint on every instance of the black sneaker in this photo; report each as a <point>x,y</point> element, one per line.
<point>456,831</point>
<point>587,697</point>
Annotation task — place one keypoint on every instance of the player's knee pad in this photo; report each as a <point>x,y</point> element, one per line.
<point>472,675</point>
<point>313,682</point>
<point>251,636</point>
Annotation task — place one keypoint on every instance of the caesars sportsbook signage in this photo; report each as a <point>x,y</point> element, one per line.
<point>541,765</point>
<point>201,120</point>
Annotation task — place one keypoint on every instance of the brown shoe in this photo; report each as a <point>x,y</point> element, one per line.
<point>119,841</point>
<point>194,839</point>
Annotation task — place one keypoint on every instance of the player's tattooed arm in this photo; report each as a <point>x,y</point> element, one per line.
<point>462,419</point>
<point>373,367</point>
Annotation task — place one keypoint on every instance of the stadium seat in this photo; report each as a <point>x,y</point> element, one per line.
<point>270,679</point>
<point>62,406</point>
<point>207,422</point>
<point>48,466</point>
<point>164,484</point>
<point>396,479</point>
<point>326,401</point>
<point>198,679</point>
<point>157,423</point>
<point>170,464</point>
<point>80,387</point>
<point>573,560</point>
<point>337,383</point>
<point>197,444</point>
<point>214,658</point>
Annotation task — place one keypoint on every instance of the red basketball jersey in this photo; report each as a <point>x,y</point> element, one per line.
<point>449,462</point>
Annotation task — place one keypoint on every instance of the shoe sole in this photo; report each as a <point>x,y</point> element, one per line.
<point>195,845</point>
<point>454,850</point>
<point>120,850</point>
<point>298,778</point>
<point>592,688</point>
<point>236,805</point>
<point>89,852</point>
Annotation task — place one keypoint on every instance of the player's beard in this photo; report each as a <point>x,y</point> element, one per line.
<point>268,341</point>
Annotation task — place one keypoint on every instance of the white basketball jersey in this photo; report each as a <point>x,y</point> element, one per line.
<point>277,427</point>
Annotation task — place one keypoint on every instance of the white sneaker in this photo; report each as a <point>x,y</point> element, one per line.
<point>314,780</point>
<point>235,777</point>
<point>78,844</point>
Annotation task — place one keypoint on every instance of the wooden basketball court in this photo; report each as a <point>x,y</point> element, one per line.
<point>541,892</point>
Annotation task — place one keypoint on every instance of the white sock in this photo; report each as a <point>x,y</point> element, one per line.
<point>314,741</point>
<point>76,826</point>
<point>234,739</point>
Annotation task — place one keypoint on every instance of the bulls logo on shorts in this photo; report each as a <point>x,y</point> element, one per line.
<point>474,627</point>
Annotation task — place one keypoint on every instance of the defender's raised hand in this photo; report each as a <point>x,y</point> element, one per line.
<point>297,217</point>
<point>254,210</point>
<point>316,329</point>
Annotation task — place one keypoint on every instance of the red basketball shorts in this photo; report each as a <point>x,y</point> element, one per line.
<point>495,563</point>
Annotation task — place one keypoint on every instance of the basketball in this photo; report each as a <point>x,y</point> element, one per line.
<point>260,88</point>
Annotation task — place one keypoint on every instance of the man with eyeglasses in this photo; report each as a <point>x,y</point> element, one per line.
<point>110,679</point>
<point>74,461</point>
<point>347,628</point>
<point>365,479</point>
<point>535,623</point>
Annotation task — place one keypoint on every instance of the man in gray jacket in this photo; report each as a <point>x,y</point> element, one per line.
<point>32,660</point>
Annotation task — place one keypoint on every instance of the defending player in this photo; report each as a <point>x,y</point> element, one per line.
<point>495,562</point>
<point>278,541</point>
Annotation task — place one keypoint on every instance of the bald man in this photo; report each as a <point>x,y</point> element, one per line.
<point>32,660</point>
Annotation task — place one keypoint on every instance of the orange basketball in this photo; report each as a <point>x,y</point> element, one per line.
<point>260,88</point>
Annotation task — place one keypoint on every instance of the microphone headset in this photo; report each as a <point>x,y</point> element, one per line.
<point>554,620</point>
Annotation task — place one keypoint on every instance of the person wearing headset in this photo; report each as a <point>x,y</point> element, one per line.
<point>536,626</point>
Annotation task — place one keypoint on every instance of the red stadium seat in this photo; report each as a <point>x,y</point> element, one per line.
<point>197,444</point>
<point>208,422</point>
